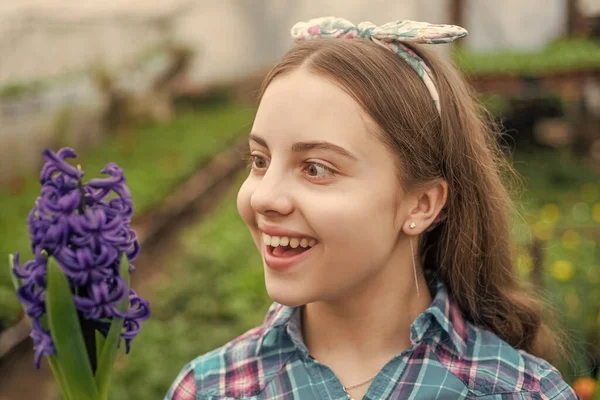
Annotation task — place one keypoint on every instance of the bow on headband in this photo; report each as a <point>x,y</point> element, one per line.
<point>390,35</point>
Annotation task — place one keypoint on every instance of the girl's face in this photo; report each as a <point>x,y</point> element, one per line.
<point>317,171</point>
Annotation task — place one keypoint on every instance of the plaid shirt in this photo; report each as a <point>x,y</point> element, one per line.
<point>450,358</point>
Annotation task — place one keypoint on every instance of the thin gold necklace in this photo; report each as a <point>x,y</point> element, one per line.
<point>346,388</point>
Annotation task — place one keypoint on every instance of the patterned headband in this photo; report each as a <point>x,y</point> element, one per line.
<point>390,35</point>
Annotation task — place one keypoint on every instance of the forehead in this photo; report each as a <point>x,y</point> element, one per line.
<point>304,106</point>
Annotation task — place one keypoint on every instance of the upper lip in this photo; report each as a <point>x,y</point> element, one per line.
<point>278,231</point>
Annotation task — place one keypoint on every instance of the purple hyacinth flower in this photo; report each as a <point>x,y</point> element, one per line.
<point>74,222</point>
<point>84,266</point>
<point>21,272</point>
<point>31,293</point>
<point>102,299</point>
<point>139,311</point>
<point>61,204</point>
<point>138,307</point>
<point>56,163</point>
<point>33,298</point>
<point>42,342</point>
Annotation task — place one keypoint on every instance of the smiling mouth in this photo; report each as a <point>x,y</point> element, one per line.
<point>286,251</point>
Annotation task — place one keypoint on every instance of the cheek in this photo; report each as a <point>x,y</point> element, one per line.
<point>358,224</point>
<point>357,240</point>
<point>243,203</point>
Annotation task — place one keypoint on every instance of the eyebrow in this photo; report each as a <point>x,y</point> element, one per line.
<point>300,147</point>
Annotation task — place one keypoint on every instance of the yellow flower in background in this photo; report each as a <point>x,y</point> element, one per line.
<point>563,270</point>
<point>550,213</point>
<point>590,192</point>
<point>524,264</point>
<point>571,239</point>
<point>596,212</point>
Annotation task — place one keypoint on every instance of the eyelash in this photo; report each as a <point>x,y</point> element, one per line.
<point>249,159</point>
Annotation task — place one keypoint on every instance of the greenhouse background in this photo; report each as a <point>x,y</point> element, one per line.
<point>167,90</point>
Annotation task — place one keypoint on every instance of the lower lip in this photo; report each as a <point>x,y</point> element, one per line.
<point>280,263</point>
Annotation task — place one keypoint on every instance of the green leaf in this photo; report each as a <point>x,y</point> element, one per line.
<point>16,281</point>
<point>71,354</point>
<point>109,351</point>
<point>51,359</point>
<point>100,339</point>
<point>54,366</point>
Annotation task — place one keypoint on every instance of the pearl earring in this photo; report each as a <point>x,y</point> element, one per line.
<point>412,225</point>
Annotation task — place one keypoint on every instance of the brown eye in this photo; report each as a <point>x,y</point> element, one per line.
<point>318,171</point>
<point>312,170</point>
<point>259,162</point>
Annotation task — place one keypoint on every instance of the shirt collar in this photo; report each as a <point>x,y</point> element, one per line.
<point>443,315</point>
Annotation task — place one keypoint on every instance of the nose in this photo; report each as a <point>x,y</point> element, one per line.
<point>272,194</point>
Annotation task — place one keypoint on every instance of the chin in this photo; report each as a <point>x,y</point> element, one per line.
<point>284,294</point>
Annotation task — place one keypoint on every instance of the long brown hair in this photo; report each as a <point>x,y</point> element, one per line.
<point>472,251</point>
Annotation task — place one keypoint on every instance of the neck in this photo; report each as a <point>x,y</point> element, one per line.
<point>371,323</point>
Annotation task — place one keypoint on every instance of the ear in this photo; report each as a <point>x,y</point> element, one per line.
<point>423,206</point>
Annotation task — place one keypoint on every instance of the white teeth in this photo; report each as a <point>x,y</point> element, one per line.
<point>275,241</point>
<point>284,241</point>
<point>267,239</point>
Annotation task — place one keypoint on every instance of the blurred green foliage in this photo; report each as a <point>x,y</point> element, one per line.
<point>561,209</point>
<point>496,104</point>
<point>564,55</point>
<point>17,89</point>
<point>155,158</point>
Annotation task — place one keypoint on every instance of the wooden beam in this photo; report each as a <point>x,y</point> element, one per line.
<point>456,17</point>
<point>577,23</point>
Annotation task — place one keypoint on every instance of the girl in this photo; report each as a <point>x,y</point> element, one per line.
<point>376,201</point>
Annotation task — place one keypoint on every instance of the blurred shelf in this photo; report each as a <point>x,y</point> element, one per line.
<point>566,55</point>
<point>562,67</point>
